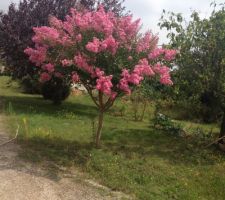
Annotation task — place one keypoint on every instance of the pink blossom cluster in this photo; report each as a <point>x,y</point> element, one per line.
<point>79,38</point>
<point>104,84</point>
<point>103,21</point>
<point>169,54</point>
<point>141,70</point>
<point>65,41</point>
<point>164,73</point>
<point>127,29</point>
<point>106,50</point>
<point>37,55</point>
<point>123,29</point>
<point>145,42</point>
<point>45,33</point>
<point>75,77</point>
<point>96,46</point>
<point>55,23</point>
<point>81,62</point>
<point>93,46</point>
<point>45,77</point>
<point>49,67</point>
<point>156,53</point>
<point>124,84</point>
<point>58,75</point>
<point>99,21</point>
<point>66,63</point>
<point>130,58</point>
<point>129,78</point>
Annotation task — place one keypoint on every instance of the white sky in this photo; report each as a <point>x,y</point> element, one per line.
<point>150,10</point>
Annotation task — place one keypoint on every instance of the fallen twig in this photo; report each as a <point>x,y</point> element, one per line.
<point>17,131</point>
<point>214,142</point>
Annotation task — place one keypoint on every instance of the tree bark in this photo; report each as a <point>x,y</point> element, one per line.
<point>99,130</point>
<point>143,111</point>
<point>100,120</point>
<point>102,108</point>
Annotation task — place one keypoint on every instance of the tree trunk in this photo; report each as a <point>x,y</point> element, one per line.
<point>222,129</point>
<point>143,111</point>
<point>99,130</point>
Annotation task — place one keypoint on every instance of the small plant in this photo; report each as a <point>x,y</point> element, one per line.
<point>118,111</point>
<point>26,129</point>
<point>9,109</point>
<point>139,103</point>
<point>66,114</point>
<point>164,123</point>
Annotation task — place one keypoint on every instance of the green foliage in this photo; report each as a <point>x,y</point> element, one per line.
<point>30,85</point>
<point>139,102</point>
<point>199,75</point>
<point>162,122</point>
<point>55,90</point>
<point>150,91</point>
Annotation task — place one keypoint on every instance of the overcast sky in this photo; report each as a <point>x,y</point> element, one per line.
<point>150,10</point>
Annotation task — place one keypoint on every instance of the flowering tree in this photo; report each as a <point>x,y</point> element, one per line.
<point>104,52</point>
<point>16,25</point>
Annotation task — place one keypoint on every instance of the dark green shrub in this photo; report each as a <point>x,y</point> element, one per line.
<point>55,90</point>
<point>30,85</point>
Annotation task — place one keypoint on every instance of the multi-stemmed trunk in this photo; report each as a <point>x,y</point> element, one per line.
<point>102,106</point>
<point>99,129</point>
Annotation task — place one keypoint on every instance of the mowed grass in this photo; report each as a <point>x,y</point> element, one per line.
<point>134,158</point>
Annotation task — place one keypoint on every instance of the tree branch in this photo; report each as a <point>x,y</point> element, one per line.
<point>109,104</point>
<point>91,95</point>
<point>100,97</point>
<point>214,142</point>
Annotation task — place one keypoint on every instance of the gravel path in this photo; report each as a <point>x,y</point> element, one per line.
<point>23,181</point>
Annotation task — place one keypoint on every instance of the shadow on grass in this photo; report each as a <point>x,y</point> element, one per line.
<point>131,144</point>
<point>57,150</point>
<point>37,105</point>
<point>153,143</point>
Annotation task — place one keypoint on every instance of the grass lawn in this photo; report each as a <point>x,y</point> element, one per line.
<point>134,158</point>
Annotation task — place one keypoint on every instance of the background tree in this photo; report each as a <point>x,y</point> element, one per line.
<point>116,6</point>
<point>201,63</point>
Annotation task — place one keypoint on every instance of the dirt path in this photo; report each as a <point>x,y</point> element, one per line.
<point>24,181</point>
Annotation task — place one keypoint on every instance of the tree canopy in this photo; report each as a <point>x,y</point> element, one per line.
<point>16,27</point>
